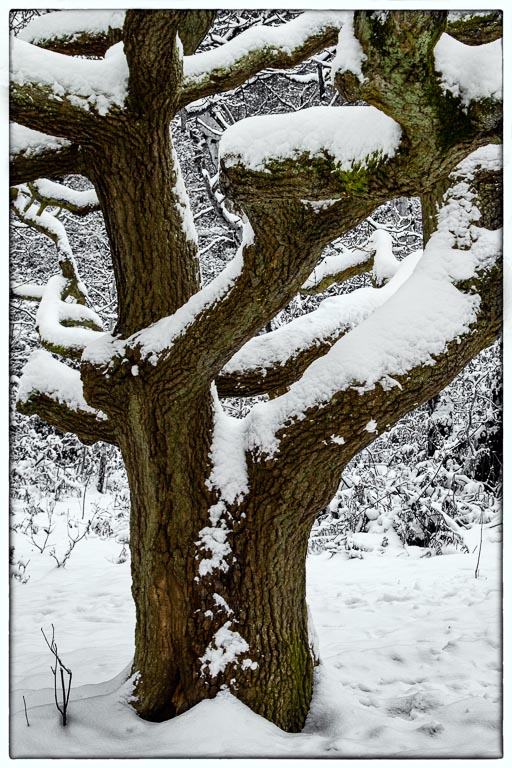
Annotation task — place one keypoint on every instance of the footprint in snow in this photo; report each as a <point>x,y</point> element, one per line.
<point>353,601</point>
<point>408,707</point>
<point>431,729</point>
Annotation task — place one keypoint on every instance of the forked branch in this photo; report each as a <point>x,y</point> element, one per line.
<point>59,671</point>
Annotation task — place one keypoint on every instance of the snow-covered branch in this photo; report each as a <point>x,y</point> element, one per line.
<point>62,95</point>
<point>448,308</point>
<point>277,359</point>
<point>337,269</point>
<point>79,202</point>
<point>76,33</point>
<point>31,211</point>
<point>258,48</point>
<point>347,143</point>
<point>33,154</point>
<point>53,391</point>
<point>64,327</point>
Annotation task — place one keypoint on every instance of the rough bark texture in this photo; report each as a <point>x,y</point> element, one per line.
<point>163,417</point>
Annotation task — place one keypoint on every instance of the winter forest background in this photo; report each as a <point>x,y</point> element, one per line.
<point>403,564</point>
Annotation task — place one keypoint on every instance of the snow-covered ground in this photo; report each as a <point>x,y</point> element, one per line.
<point>410,660</point>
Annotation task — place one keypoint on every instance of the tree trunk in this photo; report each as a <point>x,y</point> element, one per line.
<point>204,625</point>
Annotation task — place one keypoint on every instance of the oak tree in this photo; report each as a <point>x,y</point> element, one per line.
<point>221,508</point>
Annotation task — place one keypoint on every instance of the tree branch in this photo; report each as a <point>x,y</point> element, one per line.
<point>154,61</point>
<point>258,48</point>
<point>53,391</point>
<point>407,350</point>
<point>75,33</point>
<point>475,29</point>
<point>62,95</point>
<point>193,26</point>
<point>78,202</point>
<point>337,269</point>
<point>32,213</point>
<point>65,328</point>
<point>273,361</point>
<point>33,154</point>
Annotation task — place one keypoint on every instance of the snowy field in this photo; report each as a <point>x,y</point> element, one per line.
<point>410,660</point>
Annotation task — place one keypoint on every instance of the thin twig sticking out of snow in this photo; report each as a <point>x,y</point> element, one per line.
<point>62,668</point>
<point>26,715</point>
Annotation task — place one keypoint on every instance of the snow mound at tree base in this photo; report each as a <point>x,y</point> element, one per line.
<point>104,725</point>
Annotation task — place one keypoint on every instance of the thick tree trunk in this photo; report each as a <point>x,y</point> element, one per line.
<point>203,625</point>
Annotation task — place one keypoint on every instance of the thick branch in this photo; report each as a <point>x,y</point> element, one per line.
<point>258,48</point>
<point>75,33</point>
<point>193,26</point>
<point>62,95</point>
<point>406,351</point>
<point>154,60</point>
<point>473,28</point>
<point>272,362</point>
<point>53,391</point>
<point>33,154</point>
<point>87,427</point>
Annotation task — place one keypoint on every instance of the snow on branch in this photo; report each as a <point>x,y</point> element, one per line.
<point>385,263</point>
<point>23,140</point>
<point>52,90</point>
<point>54,392</point>
<point>79,202</point>
<point>33,154</point>
<point>349,56</point>
<point>470,72</point>
<point>438,305</point>
<point>349,140</point>
<point>157,338</point>
<point>338,268</point>
<point>28,291</point>
<point>83,33</point>
<point>277,359</point>
<point>65,328</point>
<point>32,212</point>
<point>258,48</point>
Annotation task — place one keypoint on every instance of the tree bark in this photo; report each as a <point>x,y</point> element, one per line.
<point>182,612</point>
<point>155,263</point>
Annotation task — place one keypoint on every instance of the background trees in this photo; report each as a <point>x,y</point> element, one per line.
<point>223,507</point>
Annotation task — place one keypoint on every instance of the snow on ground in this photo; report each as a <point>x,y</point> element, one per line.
<point>409,645</point>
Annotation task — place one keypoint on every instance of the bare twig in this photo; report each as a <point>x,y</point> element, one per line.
<point>26,715</point>
<point>62,708</point>
<point>480,545</point>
